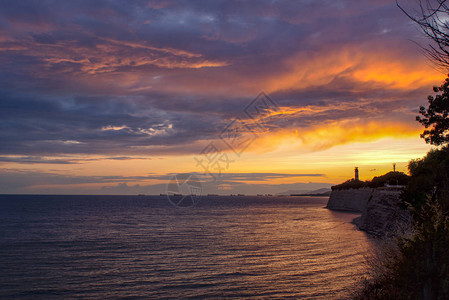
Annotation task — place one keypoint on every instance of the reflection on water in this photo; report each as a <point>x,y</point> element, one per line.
<point>124,246</point>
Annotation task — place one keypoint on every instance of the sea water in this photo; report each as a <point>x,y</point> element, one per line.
<point>142,247</point>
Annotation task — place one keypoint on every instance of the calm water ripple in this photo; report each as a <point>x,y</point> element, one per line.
<point>142,247</point>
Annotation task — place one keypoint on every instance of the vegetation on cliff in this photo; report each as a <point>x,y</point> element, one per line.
<point>429,178</point>
<point>393,178</point>
<point>416,265</point>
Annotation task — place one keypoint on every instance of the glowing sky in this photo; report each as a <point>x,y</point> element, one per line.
<point>113,97</point>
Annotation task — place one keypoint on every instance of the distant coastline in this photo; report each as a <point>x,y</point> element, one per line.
<point>325,194</point>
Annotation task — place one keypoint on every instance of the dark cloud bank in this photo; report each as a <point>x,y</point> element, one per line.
<point>100,77</point>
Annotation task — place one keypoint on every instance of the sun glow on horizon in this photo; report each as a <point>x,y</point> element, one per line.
<point>97,110</point>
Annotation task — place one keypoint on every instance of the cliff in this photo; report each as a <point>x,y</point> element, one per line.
<point>349,199</point>
<point>382,214</point>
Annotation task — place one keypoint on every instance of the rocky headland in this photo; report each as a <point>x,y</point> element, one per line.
<point>381,212</point>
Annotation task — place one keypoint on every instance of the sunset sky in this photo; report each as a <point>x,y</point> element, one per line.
<point>114,97</point>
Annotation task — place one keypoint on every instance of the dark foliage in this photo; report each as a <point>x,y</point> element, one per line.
<point>435,117</point>
<point>429,179</point>
<point>392,178</point>
<point>350,184</point>
<point>417,266</point>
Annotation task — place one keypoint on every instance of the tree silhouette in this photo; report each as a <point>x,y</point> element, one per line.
<point>432,17</point>
<point>435,117</point>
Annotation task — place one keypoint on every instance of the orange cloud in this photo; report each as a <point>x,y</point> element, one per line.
<point>109,57</point>
<point>331,134</point>
<point>382,66</point>
<point>353,131</point>
<point>176,52</point>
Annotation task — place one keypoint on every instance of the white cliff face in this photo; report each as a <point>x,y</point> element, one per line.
<point>350,199</point>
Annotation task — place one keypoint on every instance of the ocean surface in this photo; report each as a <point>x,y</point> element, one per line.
<point>93,247</point>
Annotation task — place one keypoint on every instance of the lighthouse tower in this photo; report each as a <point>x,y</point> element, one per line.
<point>356,173</point>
